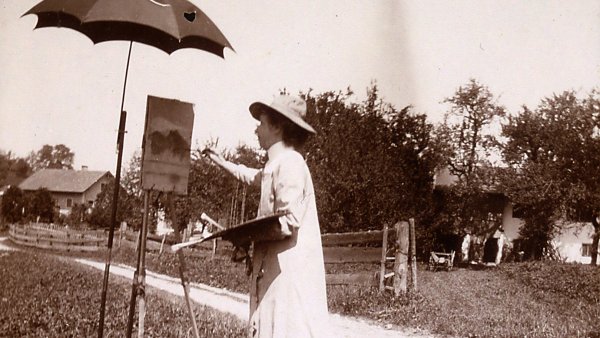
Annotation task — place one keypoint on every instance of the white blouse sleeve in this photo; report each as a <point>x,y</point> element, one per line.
<point>241,172</point>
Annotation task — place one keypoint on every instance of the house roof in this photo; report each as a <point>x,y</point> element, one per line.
<point>444,178</point>
<point>60,180</point>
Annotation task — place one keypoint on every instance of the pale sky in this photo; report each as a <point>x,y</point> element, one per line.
<point>57,87</point>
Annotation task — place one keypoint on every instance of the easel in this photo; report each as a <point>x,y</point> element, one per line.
<point>165,168</point>
<point>138,288</point>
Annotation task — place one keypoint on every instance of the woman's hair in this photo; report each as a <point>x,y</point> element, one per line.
<point>292,134</point>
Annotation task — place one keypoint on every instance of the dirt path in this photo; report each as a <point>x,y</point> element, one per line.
<point>237,303</point>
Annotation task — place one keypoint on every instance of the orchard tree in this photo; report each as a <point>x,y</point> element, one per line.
<point>472,115</point>
<point>553,154</point>
<point>371,164</point>
<point>470,142</point>
<point>52,157</point>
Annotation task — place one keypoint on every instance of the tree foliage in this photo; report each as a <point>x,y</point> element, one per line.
<point>100,215</point>
<point>470,142</point>
<point>468,124</point>
<point>12,169</point>
<point>13,202</point>
<point>42,206</point>
<point>52,157</point>
<point>553,156</point>
<point>371,164</point>
<point>214,192</point>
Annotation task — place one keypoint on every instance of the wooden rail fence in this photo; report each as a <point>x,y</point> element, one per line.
<point>355,247</point>
<point>55,238</point>
<point>371,248</point>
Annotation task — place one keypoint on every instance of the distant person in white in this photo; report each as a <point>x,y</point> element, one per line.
<point>287,288</point>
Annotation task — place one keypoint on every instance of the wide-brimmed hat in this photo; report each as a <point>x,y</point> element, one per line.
<point>292,107</point>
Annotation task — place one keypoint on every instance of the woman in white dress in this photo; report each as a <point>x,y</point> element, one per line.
<point>287,285</point>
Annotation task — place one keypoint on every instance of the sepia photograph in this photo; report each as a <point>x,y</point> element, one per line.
<point>393,168</point>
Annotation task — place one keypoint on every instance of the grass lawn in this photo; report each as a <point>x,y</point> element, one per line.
<point>537,299</point>
<point>543,299</point>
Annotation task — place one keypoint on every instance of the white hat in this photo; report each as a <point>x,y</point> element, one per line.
<point>292,107</point>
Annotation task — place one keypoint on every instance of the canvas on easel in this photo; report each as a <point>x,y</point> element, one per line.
<point>166,145</point>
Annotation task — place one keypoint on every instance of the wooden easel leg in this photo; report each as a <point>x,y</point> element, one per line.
<point>139,277</point>
<point>186,292</point>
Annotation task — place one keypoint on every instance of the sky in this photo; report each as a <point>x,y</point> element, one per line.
<point>57,87</point>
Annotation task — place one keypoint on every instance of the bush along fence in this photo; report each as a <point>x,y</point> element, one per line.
<point>47,236</point>
<point>388,255</point>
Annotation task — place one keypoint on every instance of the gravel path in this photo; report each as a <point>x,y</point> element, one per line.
<point>237,303</point>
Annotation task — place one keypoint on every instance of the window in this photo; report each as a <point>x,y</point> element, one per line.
<point>586,250</point>
<point>69,202</point>
<point>518,211</point>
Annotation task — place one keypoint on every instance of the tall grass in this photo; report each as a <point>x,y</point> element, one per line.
<point>44,296</point>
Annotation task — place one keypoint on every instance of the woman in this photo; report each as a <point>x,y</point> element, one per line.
<point>287,288</point>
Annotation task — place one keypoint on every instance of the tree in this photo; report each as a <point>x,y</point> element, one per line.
<point>131,203</point>
<point>370,162</point>
<point>4,165</point>
<point>13,202</point>
<point>468,133</point>
<point>78,216</point>
<point>468,130</point>
<point>52,157</point>
<point>100,216</point>
<point>42,206</point>
<point>213,191</point>
<point>12,169</point>
<point>553,157</point>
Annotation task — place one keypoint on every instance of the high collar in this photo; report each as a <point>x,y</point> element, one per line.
<point>276,149</point>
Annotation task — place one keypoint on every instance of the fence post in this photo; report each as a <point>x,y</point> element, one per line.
<point>401,262</point>
<point>383,258</point>
<point>413,255</point>
<point>122,230</point>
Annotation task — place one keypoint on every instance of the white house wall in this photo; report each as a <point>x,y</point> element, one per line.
<point>571,239</point>
<point>568,243</point>
<point>511,225</point>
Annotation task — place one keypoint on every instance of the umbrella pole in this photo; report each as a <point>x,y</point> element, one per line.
<point>113,215</point>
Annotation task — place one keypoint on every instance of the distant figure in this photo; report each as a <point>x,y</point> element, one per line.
<point>596,234</point>
<point>492,249</point>
<point>464,247</point>
<point>499,234</point>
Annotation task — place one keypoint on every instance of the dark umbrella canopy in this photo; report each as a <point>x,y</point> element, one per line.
<point>166,24</point>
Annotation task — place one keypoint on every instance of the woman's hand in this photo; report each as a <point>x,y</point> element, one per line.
<point>212,155</point>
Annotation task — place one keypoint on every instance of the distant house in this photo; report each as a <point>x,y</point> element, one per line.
<point>68,187</point>
<point>573,243</point>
